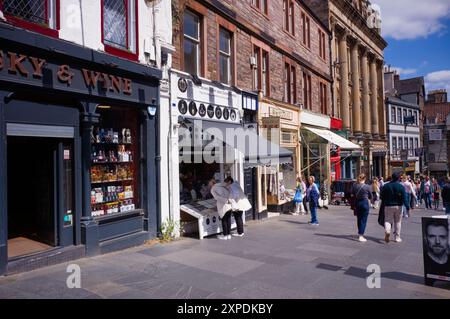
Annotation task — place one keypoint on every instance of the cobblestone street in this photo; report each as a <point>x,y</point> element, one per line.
<point>282,257</point>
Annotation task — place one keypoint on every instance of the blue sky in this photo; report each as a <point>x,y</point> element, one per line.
<point>418,33</point>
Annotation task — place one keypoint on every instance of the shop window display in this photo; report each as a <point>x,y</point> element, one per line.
<point>114,169</point>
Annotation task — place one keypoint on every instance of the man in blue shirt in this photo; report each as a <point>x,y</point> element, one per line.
<point>393,196</point>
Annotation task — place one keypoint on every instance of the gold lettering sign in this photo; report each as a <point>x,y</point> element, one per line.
<point>20,64</point>
<point>286,115</point>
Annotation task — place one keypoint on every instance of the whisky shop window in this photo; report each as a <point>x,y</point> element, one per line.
<point>114,162</point>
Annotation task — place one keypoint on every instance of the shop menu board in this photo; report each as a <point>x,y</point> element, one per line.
<point>436,248</point>
<point>112,173</point>
<point>209,222</point>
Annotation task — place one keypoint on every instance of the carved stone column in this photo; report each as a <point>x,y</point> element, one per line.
<point>367,129</point>
<point>374,100</point>
<point>345,108</point>
<point>356,114</point>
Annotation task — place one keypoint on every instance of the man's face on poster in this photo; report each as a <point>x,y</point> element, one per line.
<point>437,239</point>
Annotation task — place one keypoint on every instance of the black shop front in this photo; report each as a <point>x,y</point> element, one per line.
<point>78,151</point>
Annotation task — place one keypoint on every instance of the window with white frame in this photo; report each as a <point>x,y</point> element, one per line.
<point>416,143</point>
<point>416,117</point>
<point>393,115</point>
<point>39,12</point>
<point>399,116</point>
<point>191,43</point>
<point>225,59</point>
<point>411,146</point>
<point>406,144</point>
<point>394,145</point>
<point>119,24</point>
<point>400,143</point>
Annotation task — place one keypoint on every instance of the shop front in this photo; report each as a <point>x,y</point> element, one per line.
<point>213,143</point>
<point>76,154</point>
<point>280,124</point>
<point>319,145</point>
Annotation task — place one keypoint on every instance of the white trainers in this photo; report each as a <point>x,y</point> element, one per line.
<point>229,237</point>
<point>362,239</point>
<point>398,240</point>
<point>238,235</point>
<point>222,237</point>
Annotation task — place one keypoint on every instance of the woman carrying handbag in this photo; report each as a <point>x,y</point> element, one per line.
<point>362,194</point>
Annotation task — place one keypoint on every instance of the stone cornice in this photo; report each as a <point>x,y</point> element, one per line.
<point>346,7</point>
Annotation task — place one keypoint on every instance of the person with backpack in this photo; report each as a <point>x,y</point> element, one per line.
<point>426,189</point>
<point>393,197</point>
<point>313,199</point>
<point>362,194</point>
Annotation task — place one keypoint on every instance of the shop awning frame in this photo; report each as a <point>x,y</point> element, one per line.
<point>334,138</point>
<point>257,150</point>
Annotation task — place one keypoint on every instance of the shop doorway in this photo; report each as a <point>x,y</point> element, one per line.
<point>39,189</point>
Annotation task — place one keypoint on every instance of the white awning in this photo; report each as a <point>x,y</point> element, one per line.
<point>333,138</point>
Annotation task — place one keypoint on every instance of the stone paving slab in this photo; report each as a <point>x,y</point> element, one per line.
<point>282,257</point>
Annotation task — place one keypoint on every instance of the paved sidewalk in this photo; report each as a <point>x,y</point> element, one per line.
<point>282,257</point>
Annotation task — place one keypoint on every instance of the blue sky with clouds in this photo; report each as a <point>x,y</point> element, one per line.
<point>418,33</point>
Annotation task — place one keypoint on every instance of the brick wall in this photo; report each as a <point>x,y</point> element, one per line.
<point>253,26</point>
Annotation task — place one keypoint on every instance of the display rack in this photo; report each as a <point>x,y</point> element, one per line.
<point>112,172</point>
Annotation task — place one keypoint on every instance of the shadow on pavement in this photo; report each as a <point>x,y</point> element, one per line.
<point>353,238</point>
<point>294,222</point>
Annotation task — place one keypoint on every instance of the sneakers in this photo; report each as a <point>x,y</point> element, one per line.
<point>222,237</point>
<point>314,224</point>
<point>238,235</point>
<point>398,239</point>
<point>362,239</point>
<point>387,237</point>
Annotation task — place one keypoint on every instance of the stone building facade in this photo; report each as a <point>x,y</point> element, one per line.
<point>357,60</point>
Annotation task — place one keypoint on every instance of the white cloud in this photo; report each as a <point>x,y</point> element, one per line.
<point>403,71</point>
<point>411,19</point>
<point>438,80</point>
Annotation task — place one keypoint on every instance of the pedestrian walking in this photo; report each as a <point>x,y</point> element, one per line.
<point>409,195</point>
<point>375,194</point>
<point>221,193</point>
<point>305,190</point>
<point>239,205</point>
<point>446,196</point>
<point>436,191</point>
<point>426,189</point>
<point>313,199</point>
<point>393,196</point>
<point>418,193</point>
<point>362,194</point>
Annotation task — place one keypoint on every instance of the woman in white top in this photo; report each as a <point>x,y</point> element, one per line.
<point>410,194</point>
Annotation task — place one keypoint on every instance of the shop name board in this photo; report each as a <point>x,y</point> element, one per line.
<point>32,67</point>
<point>285,115</point>
<point>45,72</point>
<point>435,134</point>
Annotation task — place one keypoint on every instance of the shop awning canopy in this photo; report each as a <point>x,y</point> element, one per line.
<point>258,151</point>
<point>338,140</point>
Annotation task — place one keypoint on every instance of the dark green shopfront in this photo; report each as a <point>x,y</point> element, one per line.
<point>78,151</point>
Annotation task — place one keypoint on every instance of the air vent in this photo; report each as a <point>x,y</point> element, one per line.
<point>233,115</point>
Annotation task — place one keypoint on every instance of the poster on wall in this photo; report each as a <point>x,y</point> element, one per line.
<point>436,248</point>
<point>435,134</point>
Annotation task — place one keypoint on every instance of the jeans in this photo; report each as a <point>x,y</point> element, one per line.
<point>447,208</point>
<point>393,217</point>
<point>313,209</point>
<point>427,199</point>
<point>405,211</point>
<point>362,214</point>
<point>239,223</point>
<point>226,223</point>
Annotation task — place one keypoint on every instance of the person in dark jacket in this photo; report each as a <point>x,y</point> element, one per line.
<point>362,194</point>
<point>313,198</point>
<point>394,197</point>
<point>446,196</point>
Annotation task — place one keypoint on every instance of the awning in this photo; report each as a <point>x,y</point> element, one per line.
<point>333,138</point>
<point>258,151</point>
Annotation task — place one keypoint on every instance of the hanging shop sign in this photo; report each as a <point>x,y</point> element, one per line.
<point>47,73</point>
